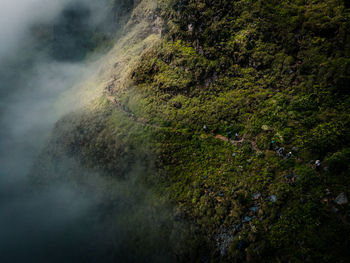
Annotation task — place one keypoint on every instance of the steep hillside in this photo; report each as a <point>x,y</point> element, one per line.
<point>241,108</point>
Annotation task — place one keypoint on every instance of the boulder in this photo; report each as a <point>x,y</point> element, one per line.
<point>341,199</point>
<point>273,198</point>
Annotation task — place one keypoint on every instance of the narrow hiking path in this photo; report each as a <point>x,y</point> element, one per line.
<point>146,122</point>
<point>131,115</point>
<point>237,142</point>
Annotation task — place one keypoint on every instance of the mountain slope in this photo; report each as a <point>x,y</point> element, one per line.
<point>277,74</point>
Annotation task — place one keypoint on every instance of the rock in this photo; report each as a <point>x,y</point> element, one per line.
<point>273,198</point>
<point>223,240</point>
<point>190,27</point>
<point>265,128</point>
<point>317,165</point>
<point>280,152</point>
<point>256,196</point>
<point>341,199</point>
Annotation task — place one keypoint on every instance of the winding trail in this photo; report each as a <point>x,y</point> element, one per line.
<point>146,122</point>
<point>131,115</point>
<point>236,143</point>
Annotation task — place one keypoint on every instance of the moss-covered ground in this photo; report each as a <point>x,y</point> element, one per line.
<point>274,72</point>
<point>271,71</point>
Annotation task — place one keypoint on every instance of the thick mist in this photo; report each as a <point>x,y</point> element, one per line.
<point>18,17</point>
<point>31,80</point>
<point>44,47</point>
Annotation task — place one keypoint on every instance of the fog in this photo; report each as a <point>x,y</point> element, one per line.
<point>97,219</point>
<point>16,17</point>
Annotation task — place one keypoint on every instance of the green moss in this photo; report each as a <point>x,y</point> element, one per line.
<point>270,71</point>
<point>245,66</point>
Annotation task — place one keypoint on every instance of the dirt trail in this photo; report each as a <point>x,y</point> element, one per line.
<point>255,146</point>
<point>146,122</point>
<point>131,115</point>
<point>223,138</point>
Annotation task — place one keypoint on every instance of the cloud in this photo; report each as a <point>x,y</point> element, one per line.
<point>31,80</point>
<point>30,83</point>
<point>87,218</point>
<point>17,16</point>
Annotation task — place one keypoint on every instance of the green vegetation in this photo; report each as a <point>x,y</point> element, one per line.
<point>269,70</point>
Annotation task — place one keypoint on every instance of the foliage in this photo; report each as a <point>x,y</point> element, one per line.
<point>271,71</point>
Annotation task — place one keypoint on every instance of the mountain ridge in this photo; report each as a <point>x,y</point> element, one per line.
<point>277,74</point>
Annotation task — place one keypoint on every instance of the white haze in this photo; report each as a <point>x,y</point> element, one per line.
<point>54,226</point>
<point>16,17</point>
<point>28,92</point>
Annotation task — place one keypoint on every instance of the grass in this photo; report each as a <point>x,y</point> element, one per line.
<point>268,70</point>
